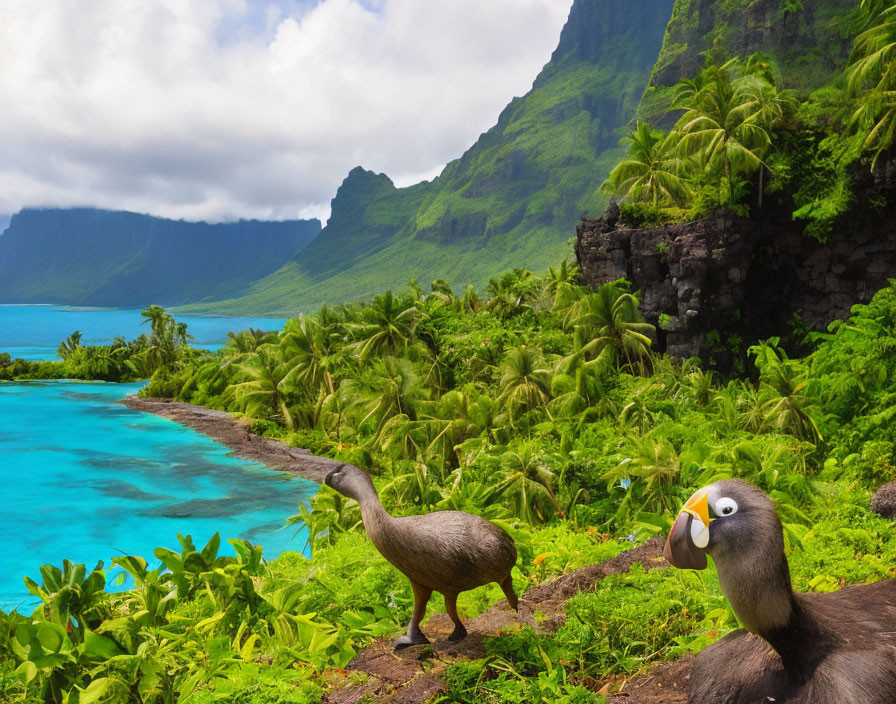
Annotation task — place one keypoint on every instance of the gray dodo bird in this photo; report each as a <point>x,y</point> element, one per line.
<point>836,648</point>
<point>446,551</point>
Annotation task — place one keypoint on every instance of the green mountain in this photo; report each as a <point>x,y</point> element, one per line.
<point>800,37</point>
<point>84,256</point>
<point>511,200</point>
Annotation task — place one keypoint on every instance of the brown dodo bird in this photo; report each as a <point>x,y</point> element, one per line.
<point>446,551</point>
<point>837,648</point>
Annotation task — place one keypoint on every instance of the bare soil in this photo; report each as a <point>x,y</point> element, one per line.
<point>413,675</point>
<point>225,429</point>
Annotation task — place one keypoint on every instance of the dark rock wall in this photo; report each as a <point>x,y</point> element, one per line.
<point>745,277</point>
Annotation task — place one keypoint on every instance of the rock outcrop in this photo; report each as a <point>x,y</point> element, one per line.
<point>884,500</point>
<point>711,285</point>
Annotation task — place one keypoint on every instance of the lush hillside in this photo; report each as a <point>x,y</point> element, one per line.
<point>764,204</point>
<point>511,200</point>
<point>541,408</point>
<point>804,39</point>
<point>545,407</point>
<point>84,256</point>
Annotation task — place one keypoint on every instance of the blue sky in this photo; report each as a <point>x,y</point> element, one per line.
<point>224,109</point>
<point>256,21</point>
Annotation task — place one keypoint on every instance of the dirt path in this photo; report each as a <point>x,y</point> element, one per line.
<point>223,428</point>
<point>413,676</point>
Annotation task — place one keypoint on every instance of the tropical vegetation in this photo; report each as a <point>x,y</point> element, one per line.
<point>538,403</point>
<point>166,346</point>
<point>541,407</point>
<point>737,138</point>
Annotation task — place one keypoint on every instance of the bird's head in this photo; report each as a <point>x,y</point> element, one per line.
<point>349,481</point>
<point>729,518</point>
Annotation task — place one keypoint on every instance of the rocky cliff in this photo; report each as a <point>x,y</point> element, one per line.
<point>801,37</point>
<point>710,286</point>
<point>511,200</point>
<point>85,256</point>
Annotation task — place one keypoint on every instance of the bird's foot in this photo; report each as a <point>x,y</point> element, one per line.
<point>459,633</point>
<point>407,640</point>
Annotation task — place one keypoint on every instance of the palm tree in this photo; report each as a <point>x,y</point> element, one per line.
<point>524,382</point>
<point>786,407</point>
<point>310,352</point>
<point>388,387</point>
<point>69,345</point>
<point>655,468</point>
<point>772,106</point>
<point>167,337</point>
<point>872,73</point>
<point>527,485</point>
<point>783,382</point>
<point>562,284</point>
<point>687,89</point>
<point>512,291</point>
<point>651,170</point>
<point>575,387</point>
<point>459,415</point>
<point>610,321</point>
<point>264,394</point>
<point>724,127</point>
<point>471,301</point>
<point>388,326</point>
<point>249,340</point>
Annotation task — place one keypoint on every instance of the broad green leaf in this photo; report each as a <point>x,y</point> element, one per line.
<point>96,690</point>
<point>51,636</point>
<point>99,645</point>
<point>27,670</point>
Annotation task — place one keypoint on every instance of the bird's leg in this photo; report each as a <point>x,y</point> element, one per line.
<point>507,587</point>
<point>459,632</point>
<point>415,636</point>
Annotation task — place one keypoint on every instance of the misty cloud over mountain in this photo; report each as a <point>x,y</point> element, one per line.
<point>226,109</point>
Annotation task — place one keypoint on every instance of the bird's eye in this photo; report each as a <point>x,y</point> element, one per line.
<point>725,507</point>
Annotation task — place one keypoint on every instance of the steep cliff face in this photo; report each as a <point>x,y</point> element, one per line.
<point>84,256</point>
<point>710,283</point>
<point>511,200</point>
<point>799,36</point>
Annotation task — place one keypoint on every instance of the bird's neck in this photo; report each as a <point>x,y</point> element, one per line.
<point>761,594</point>
<point>759,591</point>
<point>801,643</point>
<point>377,521</point>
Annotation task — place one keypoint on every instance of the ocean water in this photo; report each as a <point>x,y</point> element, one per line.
<point>85,478</point>
<point>34,332</point>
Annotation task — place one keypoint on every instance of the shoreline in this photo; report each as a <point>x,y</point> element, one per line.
<point>221,427</point>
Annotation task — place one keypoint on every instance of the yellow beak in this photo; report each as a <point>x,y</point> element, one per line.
<point>698,507</point>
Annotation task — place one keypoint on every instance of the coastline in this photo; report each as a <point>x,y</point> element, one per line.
<point>223,428</point>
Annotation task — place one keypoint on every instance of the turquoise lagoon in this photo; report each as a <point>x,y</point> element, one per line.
<point>35,331</point>
<point>85,478</point>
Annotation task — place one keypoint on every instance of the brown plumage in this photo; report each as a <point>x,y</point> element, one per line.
<point>446,551</point>
<point>836,648</point>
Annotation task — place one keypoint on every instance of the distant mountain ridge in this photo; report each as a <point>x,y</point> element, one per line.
<point>87,256</point>
<point>511,200</point>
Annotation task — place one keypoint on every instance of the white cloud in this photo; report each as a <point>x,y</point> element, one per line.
<point>218,109</point>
